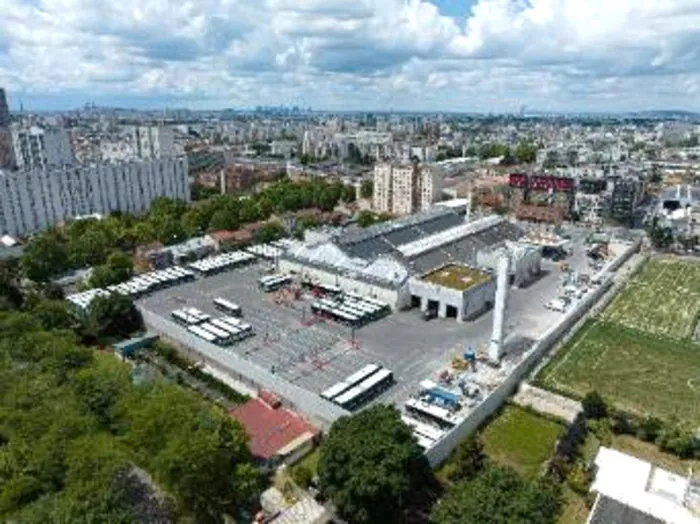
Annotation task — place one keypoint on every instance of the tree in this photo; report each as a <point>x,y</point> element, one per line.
<point>594,406</point>
<point>10,295</point>
<point>366,218</point>
<point>53,314</point>
<point>526,152</point>
<point>496,496</point>
<point>112,316</point>
<point>367,188</point>
<point>269,231</point>
<point>371,464</point>
<point>349,194</point>
<point>468,460</point>
<point>116,270</point>
<point>45,256</point>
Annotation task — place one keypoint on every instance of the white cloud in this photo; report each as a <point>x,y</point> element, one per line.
<point>615,54</point>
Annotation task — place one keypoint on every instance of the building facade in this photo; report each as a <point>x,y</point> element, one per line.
<point>154,142</point>
<point>34,200</point>
<point>37,148</point>
<point>4,110</point>
<point>403,189</point>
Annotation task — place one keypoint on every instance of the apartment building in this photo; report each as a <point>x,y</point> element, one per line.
<point>4,110</point>
<point>402,189</point>
<point>34,200</point>
<point>153,142</point>
<point>37,148</point>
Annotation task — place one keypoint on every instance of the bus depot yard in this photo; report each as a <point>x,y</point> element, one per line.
<point>640,351</point>
<point>293,335</point>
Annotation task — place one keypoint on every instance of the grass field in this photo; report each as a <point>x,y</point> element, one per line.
<point>521,440</point>
<point>639,353</point>
<point>663,299</point>
<point>640,373</point>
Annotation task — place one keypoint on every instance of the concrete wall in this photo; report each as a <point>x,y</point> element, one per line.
<point>396,298</point>
<point>320,411</point>
<point>590,303</point>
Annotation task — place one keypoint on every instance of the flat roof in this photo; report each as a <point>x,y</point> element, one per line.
<point>456,276</point>
<point>642,486</point>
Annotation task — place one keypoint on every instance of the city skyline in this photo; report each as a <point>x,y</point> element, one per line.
<point>440,55</point>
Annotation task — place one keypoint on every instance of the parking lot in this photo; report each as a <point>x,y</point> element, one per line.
<point>319,354</point>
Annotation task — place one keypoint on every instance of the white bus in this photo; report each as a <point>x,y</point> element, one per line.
<point>274,282</point>
<point>223,338</point>
<point>238,324</point>
<point>228,307</point>
<point>236,333</point>
<point>203,334</point>
<point>350,381</point>
<point>366,389</point>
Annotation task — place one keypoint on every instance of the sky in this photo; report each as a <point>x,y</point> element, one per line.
<point>490,56</point>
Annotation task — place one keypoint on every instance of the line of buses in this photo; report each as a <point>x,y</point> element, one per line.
<point>350,309</point>
<point>359,387</point>
<point>222,331</point>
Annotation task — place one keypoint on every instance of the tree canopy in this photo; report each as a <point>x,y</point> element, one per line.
<point>80,442</point>
<point>371,464</point>
<point>105,244</point>
<point>498,495</point>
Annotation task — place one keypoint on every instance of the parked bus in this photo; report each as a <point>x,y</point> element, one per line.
<point>244,327</point>
<point>203,334</point>
<point>228,307</point>
<point>354,379</point>
<point>236,333</point>
<point>274,282</point>
<point>223,337</point>
<point>366,389</point>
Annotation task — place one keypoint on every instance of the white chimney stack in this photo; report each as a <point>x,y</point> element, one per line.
<point>499,311</point>
<point>222,181</point>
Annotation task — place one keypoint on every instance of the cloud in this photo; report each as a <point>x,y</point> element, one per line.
<point>558,54</point>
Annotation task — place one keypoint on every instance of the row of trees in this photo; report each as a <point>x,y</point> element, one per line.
<point>524,153</point>
<point>374,471</point>
<point>81,442</point>
<point>85,243</point>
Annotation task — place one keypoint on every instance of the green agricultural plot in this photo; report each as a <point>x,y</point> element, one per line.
<point>521,440</point>
<point>639,372</point>
<point>663,299</point>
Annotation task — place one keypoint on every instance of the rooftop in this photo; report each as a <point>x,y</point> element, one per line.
<point>456,277</point>
<point>271,428</point>
<point>643,487</point>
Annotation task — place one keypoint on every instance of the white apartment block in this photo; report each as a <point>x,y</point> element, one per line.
<point>31,201</point>
<point>154,142</point>
<point>37,148</point>
<point>402,189</point>
<point>382,195</point>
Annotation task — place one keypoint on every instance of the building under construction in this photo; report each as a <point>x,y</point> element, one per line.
<point>541,198</point>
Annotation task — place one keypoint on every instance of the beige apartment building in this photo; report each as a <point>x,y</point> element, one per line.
<point>402,189</point>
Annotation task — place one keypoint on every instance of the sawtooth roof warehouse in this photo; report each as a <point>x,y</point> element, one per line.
<point>406,262</point>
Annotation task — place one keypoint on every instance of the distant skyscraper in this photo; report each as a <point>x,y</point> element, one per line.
<point>4,110</point>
